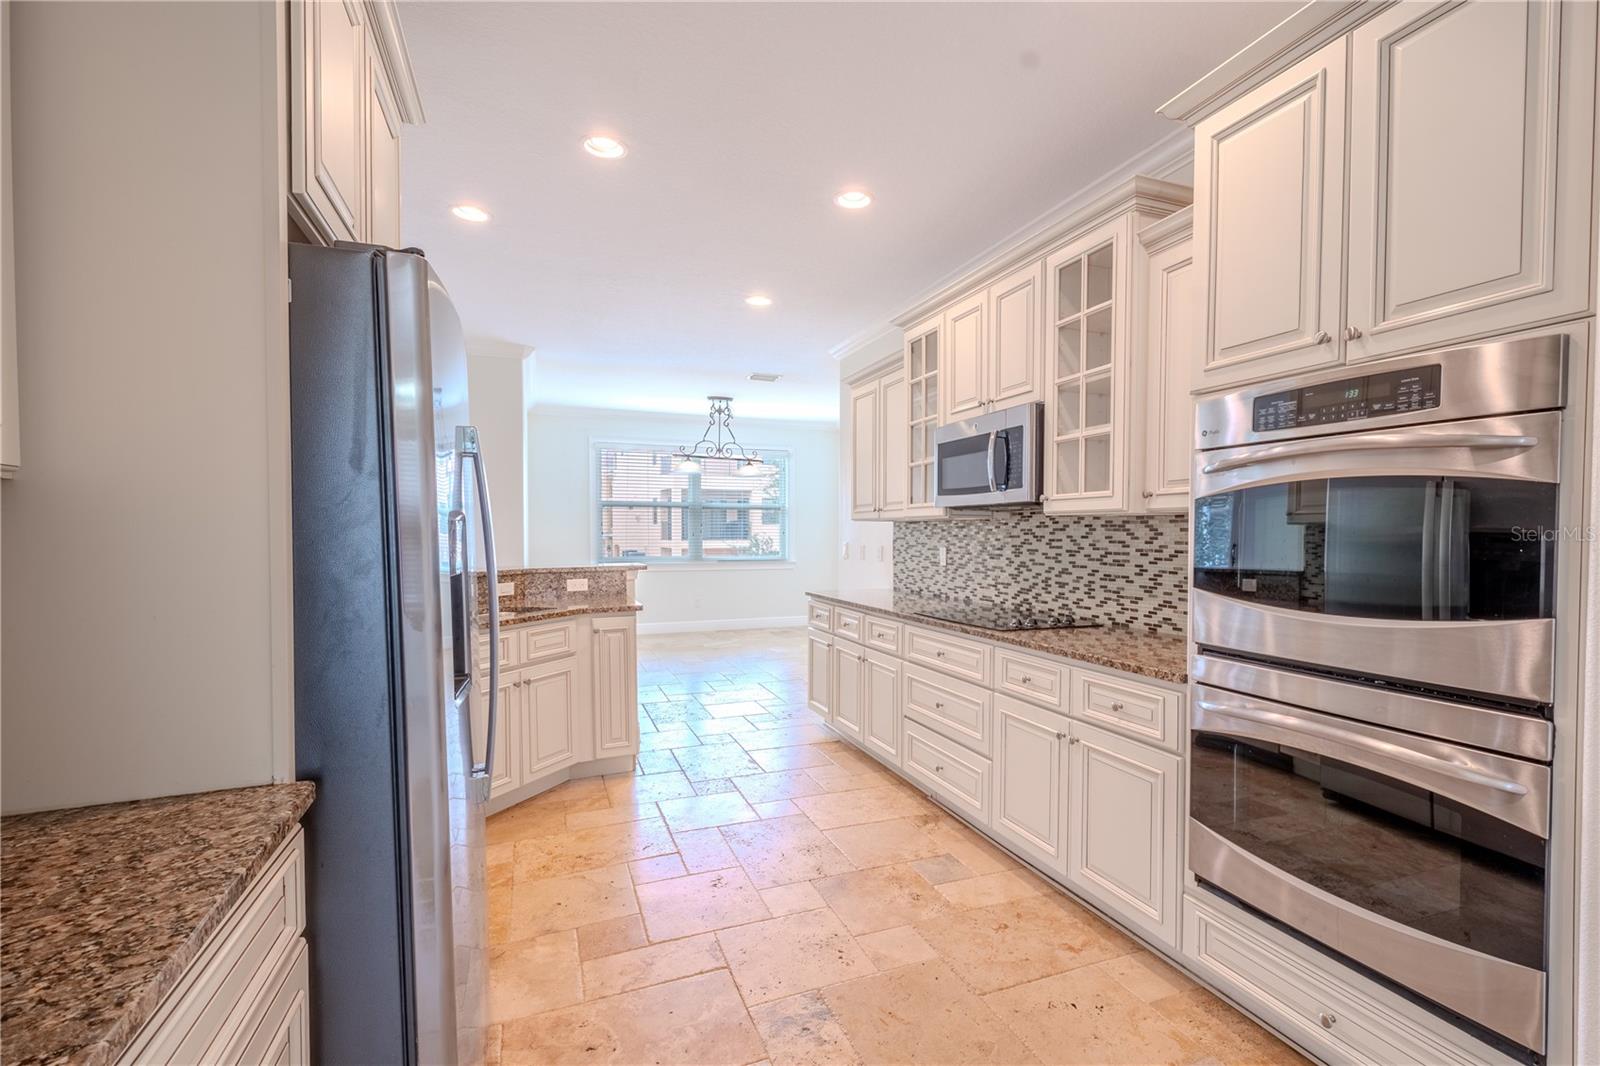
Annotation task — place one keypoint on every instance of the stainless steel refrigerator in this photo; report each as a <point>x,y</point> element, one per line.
<point>389,502</point>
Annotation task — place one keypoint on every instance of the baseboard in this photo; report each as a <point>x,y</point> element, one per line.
<point>712,624</point>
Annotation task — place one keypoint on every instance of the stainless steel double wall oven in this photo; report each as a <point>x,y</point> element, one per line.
<point>1373,609</point>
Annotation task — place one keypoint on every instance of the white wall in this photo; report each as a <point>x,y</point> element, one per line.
<point>496,401</point>
<point>866,549</point>
<point>561,515</point>
<point>145,544</point>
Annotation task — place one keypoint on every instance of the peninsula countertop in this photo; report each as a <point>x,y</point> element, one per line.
<point>105,907</point>
<point>1161,656</point>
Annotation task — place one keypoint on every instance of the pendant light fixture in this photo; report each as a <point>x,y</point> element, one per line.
<point>725,446</point>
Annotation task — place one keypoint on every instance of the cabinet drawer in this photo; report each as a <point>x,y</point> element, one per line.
<point>219,994</point>
<point>821,616</point>
<point>949,771</point>
<point>964,658</point>
<point>957,709</point>
<point>1309,1001</point>
<point>510,648</point>
<point>547,642</point>
<point>848,623</point>
<point>281,1034</point>
<point>1140,711</point>
<point>1037,680</point>
<point>883,635</point>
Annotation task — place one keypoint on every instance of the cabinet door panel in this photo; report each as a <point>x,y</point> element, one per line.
<point>893,445</point>
<point>1122,839</point>
<point>1469,209</point>
<point>1175,318</point>
<point>328,149</point>
<point>1269,215</point>
<point>1029,746</point>
<point>616,688</point>
<point>505,760</point>
<point>383,156</point>
<point>963,375</point>
<point>1014,337</point>
<point>819,673</point>
<point>549,697</point>
<point>880,732</point>
<point>849,694</point>
<point>864,450</point>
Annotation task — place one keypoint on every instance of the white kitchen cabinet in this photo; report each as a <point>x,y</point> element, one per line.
<point>864,467</point>
<point>615,686</point>
<point>327,88</point>
<point>966,335</point>
<point>1014,335</point>
<point>880,725</point>
<point>922,355</point>
<point>282,1037</point>
<point>1471,171</point>
<point>1174,319</point>
<point>382,136</point>
<point>1030,746</point>
<point>894,458</point>
<point>819,674</point>
<point>848,664</point>
<point>548,696</point>
<point>505,761</point>
<point>1123,799</point>
<point>1268,223</point>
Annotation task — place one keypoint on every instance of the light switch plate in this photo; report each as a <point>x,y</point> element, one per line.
<point>577,584</point>
<point>506,588</point>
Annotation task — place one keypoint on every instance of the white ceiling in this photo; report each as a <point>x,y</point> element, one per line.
<point>966,121</point>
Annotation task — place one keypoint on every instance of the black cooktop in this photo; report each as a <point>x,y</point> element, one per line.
<point>993,616</point>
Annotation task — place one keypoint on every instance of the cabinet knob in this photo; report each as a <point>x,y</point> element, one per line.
<point>938,706</point>
<point>1071,740</point>
<point>938,655</point>
<point>1026,680</point>
<point>1351,333</point>
<point>1147,494</point>
<point>940,769</point>
<point>1327,1020</point>
<point>1061,736</point>
<point>1117,707</point>
<point>1322,337</point>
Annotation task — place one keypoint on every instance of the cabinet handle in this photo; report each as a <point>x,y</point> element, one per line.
<point>938,655</point>
<point>1116,707</point>
<point>1072,740</point>
<point>940,769</point>
<point>1026,680</point>
<point>1352,333</point>
<point>1322,337</point>
<point>938,706</point>
<point>1061,736</point>
<point>1327,1020</point>
<point>1147,494</point>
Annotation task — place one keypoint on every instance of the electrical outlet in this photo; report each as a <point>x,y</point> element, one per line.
<point>942,557</point>
<point>577,584</point>
<point>506,588</point>
<point>846,554</point>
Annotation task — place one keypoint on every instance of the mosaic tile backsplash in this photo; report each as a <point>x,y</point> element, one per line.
<point>1121,570</point>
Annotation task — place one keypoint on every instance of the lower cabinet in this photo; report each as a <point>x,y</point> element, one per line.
<point>880,727</point>
<point>819,673</point>
<point>547,701</point>
<point>616,687</point>
<point>283,1036</point>
<point>505,762</point>
<point>849,666</point>
<point>1030,770</point>
<point>951,771</point>
<point>1122,841</point>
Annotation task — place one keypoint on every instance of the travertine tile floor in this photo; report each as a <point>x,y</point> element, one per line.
<point>758,892</point>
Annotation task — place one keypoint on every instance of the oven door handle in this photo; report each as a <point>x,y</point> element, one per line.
<point>1387,749</point>
<point>1369,442</point>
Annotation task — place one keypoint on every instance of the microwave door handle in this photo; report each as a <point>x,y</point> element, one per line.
<point>1369,442</point>
<point>1319,736</point>
<point>468,448</point>
<point>989,458</point>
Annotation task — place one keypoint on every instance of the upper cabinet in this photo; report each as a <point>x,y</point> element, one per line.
<point>922,357</point>
<point>893,417</point>
<point>1462,208</point>
<point>1471,148</point>
<point>866,477</point>
<point>1268,219</point>
<point>994,336</point>
<point>1174,317</point>
<point>966,367</point>
<point>350,91</point>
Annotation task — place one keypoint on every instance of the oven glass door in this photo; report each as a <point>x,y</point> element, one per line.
<point>1384,547</point>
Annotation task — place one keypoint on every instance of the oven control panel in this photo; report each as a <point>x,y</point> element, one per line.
<point>1395,392</point>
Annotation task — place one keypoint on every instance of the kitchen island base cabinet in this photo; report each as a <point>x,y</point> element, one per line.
<point>548,696</point>
<point>1123,842</point>
<point>616,686</point>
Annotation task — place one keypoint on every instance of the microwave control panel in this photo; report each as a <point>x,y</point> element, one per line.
<point>1348,400</point>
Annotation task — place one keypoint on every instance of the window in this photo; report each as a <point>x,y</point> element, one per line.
<point>646,509</point>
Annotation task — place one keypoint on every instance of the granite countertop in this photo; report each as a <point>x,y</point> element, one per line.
<point>1161,656</point>
<point>583,568</point>
<point>525,616</point>
<point>105,907</point>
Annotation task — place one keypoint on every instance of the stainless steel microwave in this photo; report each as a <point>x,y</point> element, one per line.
<point>992,460</point>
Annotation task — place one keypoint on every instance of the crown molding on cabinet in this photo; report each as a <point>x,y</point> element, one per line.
<point>384,18</point>
<point>1167,231</point>
<point>1171,155</point>
<point>1297,36</point>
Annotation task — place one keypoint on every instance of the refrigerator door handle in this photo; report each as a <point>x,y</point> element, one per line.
<point>467,448</point>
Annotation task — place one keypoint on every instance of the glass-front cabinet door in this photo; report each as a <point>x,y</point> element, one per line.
<point>922,382</point>
<point>1087,293</point>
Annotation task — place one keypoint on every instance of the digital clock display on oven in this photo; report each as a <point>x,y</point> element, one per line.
<point>1349,399</point>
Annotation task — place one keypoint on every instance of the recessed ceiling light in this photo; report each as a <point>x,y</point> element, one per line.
<point>470,213</point>
<point>757,299</point>
<point>853,199</point>
<point>605,147</point>
<point>769,378</point>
